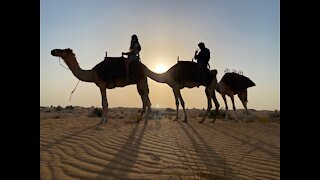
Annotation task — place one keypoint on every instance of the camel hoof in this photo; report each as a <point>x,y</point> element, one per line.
<point>200,122</point>
<point>175,120</point>
<point>213,121</point>
<point>185,121</point>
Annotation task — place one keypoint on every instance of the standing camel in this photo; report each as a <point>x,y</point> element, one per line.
<point>183,74</point>
<point>232,84</point>
<point>109,74</point>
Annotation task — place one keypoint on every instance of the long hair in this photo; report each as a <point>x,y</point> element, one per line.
<point>134,39</point>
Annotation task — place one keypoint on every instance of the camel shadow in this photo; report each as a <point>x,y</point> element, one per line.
<point>206,155</point>
<point>123,161</point>
<point>246,142</point>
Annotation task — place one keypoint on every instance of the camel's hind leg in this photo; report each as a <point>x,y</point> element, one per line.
<point>243,96</point>
<point>234,107</point>
<point>143,92</point>
<point>217,105</point>
<point>104,105</point>
<point>209,96</point>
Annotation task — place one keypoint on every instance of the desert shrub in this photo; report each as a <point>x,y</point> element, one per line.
<point>97,112</point>
<point>201,114</point>
<point>170,110</point>
<point>70,107</point>
<point>275,114</point>
<point>58,108</point>
<point>221,114</point>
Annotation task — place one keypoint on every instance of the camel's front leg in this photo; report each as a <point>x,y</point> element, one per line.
<point>176,96</point>
<point>225,103</point>
<point>104,117</point>
<point>178,93</point>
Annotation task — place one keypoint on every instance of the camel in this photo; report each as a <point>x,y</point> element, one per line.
<point>183,74</point>
<point>231,84</point>
<point>108,74</point>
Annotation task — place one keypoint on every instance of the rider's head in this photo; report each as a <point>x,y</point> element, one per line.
<point>201,45</point>
<point>134,37</point>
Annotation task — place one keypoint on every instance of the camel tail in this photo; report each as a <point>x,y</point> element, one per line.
<point>155,76</point>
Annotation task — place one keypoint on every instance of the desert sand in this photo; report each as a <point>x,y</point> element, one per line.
<point>71,147</point>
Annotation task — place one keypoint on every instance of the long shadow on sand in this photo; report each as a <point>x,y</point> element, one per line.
<point>122,163</point>
<point>245,142</point>
<point>251,137</point>
<point>209,154</point>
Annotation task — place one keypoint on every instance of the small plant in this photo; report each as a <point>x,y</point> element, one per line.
<point>170,110</point>
<point>221,114</point>
<point>97,112</point>
<point>70,107</point>
<point>275,114</point>
<point>58,108</point>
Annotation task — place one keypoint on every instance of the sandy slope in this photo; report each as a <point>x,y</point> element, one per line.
<point>71,147</point>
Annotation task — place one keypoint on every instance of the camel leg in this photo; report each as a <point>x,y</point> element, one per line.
<point>143,94</point>
<point>217,105</point>
<point>182,104</point>
<point>176,96</point>
<point>243,98</point>
<point>104,105</point>
<point>209,96</point>
<point>225,102</point>
<point>234,108</point>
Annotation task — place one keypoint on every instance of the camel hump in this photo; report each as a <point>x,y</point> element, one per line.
<point>187,71</point>
<point>114,68</point>
<point>236,81</point>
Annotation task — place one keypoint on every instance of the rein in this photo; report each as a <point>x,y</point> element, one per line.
<point>74,87</point>
<point>61,64</point>
<point>73,91</point>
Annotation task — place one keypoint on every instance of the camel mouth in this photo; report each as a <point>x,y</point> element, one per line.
<point>54,52</point>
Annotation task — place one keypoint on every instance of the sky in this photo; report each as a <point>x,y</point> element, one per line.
<point>241,34</point>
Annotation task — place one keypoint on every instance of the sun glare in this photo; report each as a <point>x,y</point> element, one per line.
<point>160,68</point>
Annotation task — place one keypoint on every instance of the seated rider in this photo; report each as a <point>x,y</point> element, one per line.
<point>133,53</point>
<point>202,58</point>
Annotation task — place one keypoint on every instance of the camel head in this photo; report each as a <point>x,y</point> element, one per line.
<point>63,53</point>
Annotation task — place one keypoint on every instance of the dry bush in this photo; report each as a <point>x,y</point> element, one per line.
<point>96,112</point>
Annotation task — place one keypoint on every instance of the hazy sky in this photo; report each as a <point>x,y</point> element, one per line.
<point>241,34</point>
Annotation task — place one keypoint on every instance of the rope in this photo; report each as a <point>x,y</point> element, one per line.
<point>61,64</point>
<point>74,87</point>
<point>73,91</point>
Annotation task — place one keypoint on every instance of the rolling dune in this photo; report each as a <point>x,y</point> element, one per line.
<point>71,147</point>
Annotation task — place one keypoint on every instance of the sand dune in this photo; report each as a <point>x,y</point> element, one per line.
<point>71,147</point>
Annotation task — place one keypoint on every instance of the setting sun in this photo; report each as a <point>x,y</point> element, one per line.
<point>160,68</point>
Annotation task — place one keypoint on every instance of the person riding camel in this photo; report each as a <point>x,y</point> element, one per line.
<point>133,53</point>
